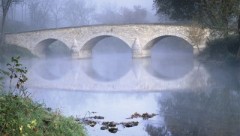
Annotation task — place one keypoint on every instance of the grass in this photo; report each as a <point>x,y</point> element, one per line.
<point>21,116</point>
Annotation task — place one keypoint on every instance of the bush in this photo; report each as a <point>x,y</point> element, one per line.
<point>19,115</point>
<point>223,49</point>
<point>196,34</point>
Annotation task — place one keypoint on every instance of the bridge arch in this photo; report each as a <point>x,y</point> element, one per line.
<point>42,48</point>
<point>139,37</point>
<point>88,44</point>
<point>171,57</point>
<point>156,39</point>
<point>146,48</point>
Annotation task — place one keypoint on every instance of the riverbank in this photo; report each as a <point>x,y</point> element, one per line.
<point>224,50</point>
<point>20,115</point>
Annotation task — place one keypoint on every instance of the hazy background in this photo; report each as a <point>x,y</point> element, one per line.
<point>43,14</point>
<point>210,104</point>
<point>111,58</point>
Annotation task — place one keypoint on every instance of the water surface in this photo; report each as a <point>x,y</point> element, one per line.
<point>191,98</point>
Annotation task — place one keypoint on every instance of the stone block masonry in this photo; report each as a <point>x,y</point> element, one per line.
<point>139,37</point>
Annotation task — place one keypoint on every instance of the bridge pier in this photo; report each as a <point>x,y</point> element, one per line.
<point>82,54</point>
<point>138,51</point>
<point>85,54</point>
<point>141,53</point>
<point>198,50</point>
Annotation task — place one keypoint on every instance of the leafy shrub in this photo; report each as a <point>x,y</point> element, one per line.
<point>223,49</point>
<point>20,116</point>
<point>196,34</point>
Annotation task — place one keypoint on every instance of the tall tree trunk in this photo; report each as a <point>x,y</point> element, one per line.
<point>5,4</point>
<point>2,38</point>
<point>5,7</point>
<point>239,26</point>
<point>2,28</point>
<point>238,54</point>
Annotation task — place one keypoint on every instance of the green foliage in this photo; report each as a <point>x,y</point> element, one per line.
<point>1,83</point>
<point>223,49</point>
<point>178,9</point>
<point>17,75</point>
<point>20,116</point>
<point>220,15</point>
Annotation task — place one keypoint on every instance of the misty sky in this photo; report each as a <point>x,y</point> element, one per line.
<point>93,9</point>
<point>147,4</point>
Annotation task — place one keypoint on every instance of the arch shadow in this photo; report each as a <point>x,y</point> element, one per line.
<point>91,42</point>
<point>171,57</point>
<point>52,47</point>
<point>51,69</point>
<point>111,58</point>
<point>153,41</point>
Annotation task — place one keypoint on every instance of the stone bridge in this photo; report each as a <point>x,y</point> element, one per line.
<point>139,37</point>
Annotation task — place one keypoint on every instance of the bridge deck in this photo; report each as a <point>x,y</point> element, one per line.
<point>187,24</point>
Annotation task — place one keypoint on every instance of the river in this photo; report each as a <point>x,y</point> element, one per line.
<point>188,96</point>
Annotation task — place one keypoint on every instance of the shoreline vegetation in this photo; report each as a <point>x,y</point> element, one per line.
<point>20,115</point>
<point>225,50</point>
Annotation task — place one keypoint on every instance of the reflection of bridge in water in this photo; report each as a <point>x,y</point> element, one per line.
<point>78,76</point>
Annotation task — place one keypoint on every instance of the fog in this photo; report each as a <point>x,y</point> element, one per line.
<point>112,82</point>
<point>44,14</point>
<point>111,67</point>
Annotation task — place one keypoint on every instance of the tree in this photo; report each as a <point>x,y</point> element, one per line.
<point>39,13</point>
<point>238,24</point>
<point>178,9</point>
<point>56,10</point>
<point>108,16</point>
<point>5,5</point>
<point>219,14</point>
<point>215,14</point>
<point>78,12</point>
<point>23,5</point>
<point>137,15</point>
<point>196,34</point>
<point>122,16</point>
